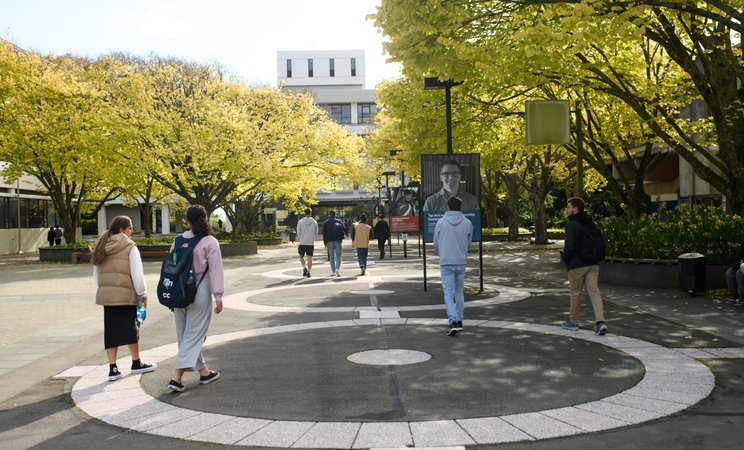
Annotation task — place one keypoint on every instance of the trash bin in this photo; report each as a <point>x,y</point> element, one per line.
<point>691,272</point>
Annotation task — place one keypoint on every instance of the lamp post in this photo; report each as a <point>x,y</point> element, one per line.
<point>18,213</point>
<point>436,83</point>
<point>395,152</point>
<point>387,188</point>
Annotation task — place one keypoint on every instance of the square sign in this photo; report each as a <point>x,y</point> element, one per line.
<point>548,122</point>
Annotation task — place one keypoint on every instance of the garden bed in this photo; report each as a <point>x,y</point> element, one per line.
<point>148,252</point>
<point>653,273</point>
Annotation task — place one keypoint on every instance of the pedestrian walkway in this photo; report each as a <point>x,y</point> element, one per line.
<point>363,361</point>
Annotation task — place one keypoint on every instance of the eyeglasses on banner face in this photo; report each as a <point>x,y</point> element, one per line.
<point>452,174</point>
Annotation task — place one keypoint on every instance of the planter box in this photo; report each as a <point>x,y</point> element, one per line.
<point>269,241</point>
<point>149,252</point>
<point>653,273</point>
<point>503,237</point>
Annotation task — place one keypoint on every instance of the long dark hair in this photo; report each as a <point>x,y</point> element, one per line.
<point>99,253</point>
<point>196,215</point>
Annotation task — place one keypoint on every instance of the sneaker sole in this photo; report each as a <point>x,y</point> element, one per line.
<point>452,332</point>
<point>570,328</point>
<point>214,378</point>
<point>144,370</point>
<point>176,388</point>
<point>114,378</point>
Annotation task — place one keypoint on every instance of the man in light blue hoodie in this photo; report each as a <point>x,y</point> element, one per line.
<point>452,236</point>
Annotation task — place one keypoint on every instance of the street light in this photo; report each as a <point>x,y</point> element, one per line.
<point>436,83</point>
<point>390,212</point>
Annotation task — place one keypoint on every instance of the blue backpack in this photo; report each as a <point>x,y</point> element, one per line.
<point>177,286</point>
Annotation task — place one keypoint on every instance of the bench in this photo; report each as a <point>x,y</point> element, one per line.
<point>81,256</point>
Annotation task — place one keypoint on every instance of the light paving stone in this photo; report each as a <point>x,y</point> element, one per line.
<point>394,321</point>
<point>653,405</point>
<point>678,382</point>
<point>127,417</point>
<point>697,353</point>
<point>191,425</point>
<point>692,394</point>
<point>277,434</point>
<point>379,315</point>
<point>492,430</point>
<point>415,308</point>
<point>473,322</point>
<point>586,420</point>
<point>494,324</point>
<point>367,322</point>
<point>231,431</point>
<point>329,435</point>
<point>625,413</point>
<point>418,321</point>
<point>153,421</point>
<point>316,325</point>
<point>439,432</point>
<point>341,323</point>
<point>75,372</point>
<point>534,328</point>
<point>395,434</point>
<point>541,426</point>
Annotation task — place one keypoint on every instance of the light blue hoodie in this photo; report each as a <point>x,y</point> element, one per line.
<point>452,237</point>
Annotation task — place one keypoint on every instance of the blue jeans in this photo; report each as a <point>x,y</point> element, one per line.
<point>453,280</point>
<point>735,282</point>
<point>362,257</point>
<point>334,255</point>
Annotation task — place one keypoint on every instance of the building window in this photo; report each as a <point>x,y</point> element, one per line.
<point>289,68</point>
<point>366,112</point>
<point>310,68</point>
<point>34,213</point>
<point>340,113</point>
<point>353,67</point>
<point>332,67</point>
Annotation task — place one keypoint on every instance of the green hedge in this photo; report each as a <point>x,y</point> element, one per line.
<point>668,234</point>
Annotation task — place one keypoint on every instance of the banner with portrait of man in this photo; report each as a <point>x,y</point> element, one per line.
<point>445,176</point>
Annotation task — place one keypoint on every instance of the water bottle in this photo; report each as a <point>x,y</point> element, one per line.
<point>141,314</point>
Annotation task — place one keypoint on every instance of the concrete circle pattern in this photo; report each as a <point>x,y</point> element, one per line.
<point>673,381</point>
<point>389,357</point>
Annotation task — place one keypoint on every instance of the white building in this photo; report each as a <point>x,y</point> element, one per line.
<point>336,81</point>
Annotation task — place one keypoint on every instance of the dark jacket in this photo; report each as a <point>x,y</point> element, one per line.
<point>573,239</point>
<point>329,231</point>
<point>382,230</point>
<point>738,257</point>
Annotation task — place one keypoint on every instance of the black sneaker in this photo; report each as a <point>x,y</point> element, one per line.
<point>212,376</point>
<point>601,329</point>
<point>570,326</point>
<point>174,385</point>
<point>732,301</point>
<point>140,367</point>
<point>458,326</point>
<point>114,374</point>
<point>451,331</point>
<point>305,273</point>
<point>739,303</point>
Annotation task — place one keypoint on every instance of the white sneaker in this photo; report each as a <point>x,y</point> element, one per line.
<point>337,274</point>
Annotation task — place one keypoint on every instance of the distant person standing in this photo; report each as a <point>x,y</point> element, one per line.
<point>382,234</point>
<point>452,236</point>
<point>583,273</point>
<point>50,236</point>
<point>360,238</point>
<point>333,235</point>
<point>57,235</point>
<point>307,229</point>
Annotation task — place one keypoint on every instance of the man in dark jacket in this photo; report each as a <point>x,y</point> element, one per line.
<point>382,234</point>
<point>735,278</point>
<point>581,274</point>
<point>333,234</point>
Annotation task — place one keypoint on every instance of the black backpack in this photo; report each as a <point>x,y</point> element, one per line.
<point>177,286</point>
<point>339,230</point>
<point>591,243</point>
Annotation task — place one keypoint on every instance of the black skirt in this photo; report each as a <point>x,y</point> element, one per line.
<point>120,326</point>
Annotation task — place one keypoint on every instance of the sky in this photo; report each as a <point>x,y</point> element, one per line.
<point>241,36</point>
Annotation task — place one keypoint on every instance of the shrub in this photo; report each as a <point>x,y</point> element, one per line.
<point>668,234</point>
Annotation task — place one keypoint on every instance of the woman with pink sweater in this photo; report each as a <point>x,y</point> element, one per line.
<point>192,322</point>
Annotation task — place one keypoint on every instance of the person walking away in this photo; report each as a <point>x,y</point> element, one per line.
<point>382,234</point>
<point>120,281</point>
<point>50,236</point>
<point>452,235</point>
<point>307,229</point>
<point>360,237</point>
<point>582,272</point>
<point>333,235</point>
<point>735,278</point>
<point>57,235</point>
<point>192,322</point>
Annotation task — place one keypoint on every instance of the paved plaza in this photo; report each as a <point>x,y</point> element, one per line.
<point>364,362</point>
